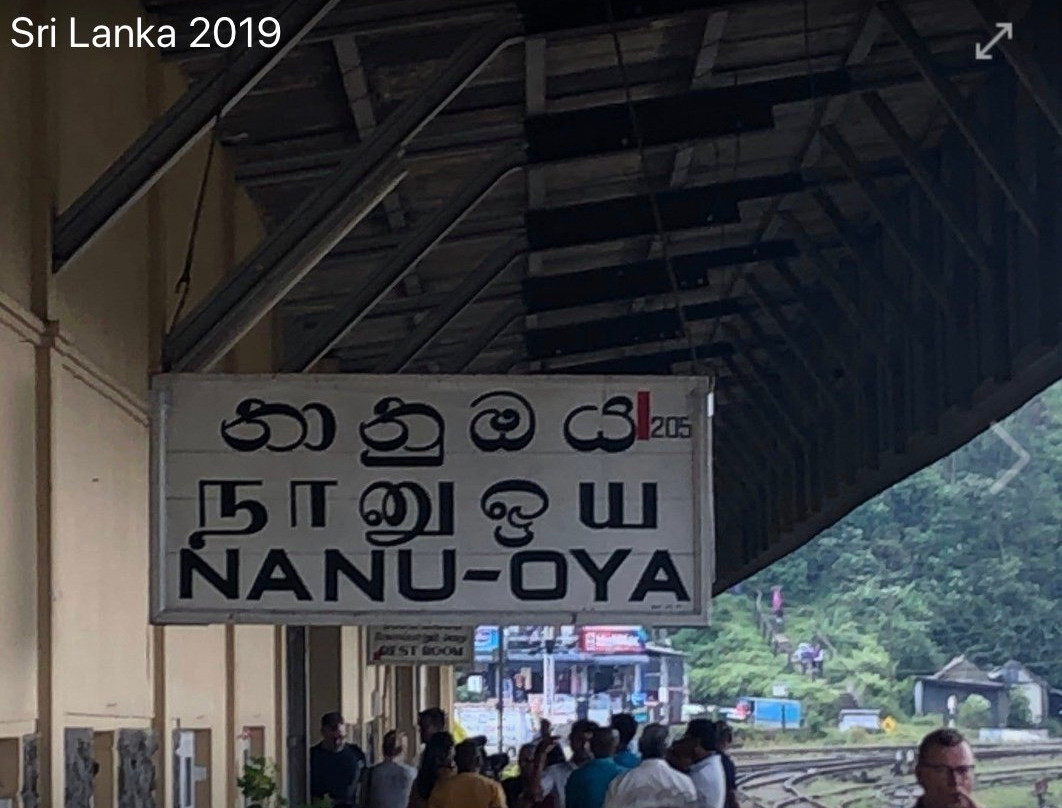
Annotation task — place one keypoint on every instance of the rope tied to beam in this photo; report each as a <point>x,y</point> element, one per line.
<point>183,287</point>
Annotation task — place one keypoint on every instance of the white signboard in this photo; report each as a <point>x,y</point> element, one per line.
<point>431,500</point>
<point>411,645</point>
<point>482,719</point>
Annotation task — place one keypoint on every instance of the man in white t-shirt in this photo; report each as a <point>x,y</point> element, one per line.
<point>707,773</point>
<point>652,783</point>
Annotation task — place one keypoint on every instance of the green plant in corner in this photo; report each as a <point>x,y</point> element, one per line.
<point>258,785</point>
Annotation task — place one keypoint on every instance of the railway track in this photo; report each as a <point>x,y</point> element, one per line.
<point>785,783</point>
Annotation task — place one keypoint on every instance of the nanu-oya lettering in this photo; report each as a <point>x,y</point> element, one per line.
<point>336,578</point>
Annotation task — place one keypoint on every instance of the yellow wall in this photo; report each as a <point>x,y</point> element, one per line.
<point>195,692</point>
<point>256,680</point>
<point>101,645</point>
<point>18,545</point>
<point>15,73</point>
<point>74,533</point>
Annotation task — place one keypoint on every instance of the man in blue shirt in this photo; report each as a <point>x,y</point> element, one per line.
<point>587,785</point>
<point>627,728</point>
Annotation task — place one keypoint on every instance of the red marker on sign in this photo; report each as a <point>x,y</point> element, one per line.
<point>642,412</point>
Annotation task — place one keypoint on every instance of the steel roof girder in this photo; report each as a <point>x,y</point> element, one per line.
<point>158,148</point>
<point>496,263</point>
<point>250,291</point>
<point>352,309</point>
<point>223,316</point>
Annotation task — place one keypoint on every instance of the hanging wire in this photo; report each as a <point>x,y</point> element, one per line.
<point>654,201</point>
<point>183,287</point>
<point>817,111</point>
<point>738,273</point>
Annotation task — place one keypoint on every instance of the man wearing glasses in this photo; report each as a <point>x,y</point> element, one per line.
<point>945,770</point>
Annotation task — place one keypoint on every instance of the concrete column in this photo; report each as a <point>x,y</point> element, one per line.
<point>405,701</point>
<point>446,690</point>
<point>296,677</point>
<point>433,687</point>
<point>326,680</point>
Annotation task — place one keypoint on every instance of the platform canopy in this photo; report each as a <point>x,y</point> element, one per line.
<point>845,211</point>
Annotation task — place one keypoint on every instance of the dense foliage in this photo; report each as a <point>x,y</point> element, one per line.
<point>935,567</point>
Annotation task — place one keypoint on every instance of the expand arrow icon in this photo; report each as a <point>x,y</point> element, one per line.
<point>1012,472</point>
<point>983,52</point>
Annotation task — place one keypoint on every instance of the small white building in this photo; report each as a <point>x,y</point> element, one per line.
<point>869,720</point>
<point>1021,680</point>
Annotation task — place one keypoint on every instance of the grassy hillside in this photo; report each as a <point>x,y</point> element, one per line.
<point>939,565</point>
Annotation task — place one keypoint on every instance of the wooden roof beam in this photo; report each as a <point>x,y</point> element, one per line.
<point>788,332</point>
<point>641,349</point>
<point>827,274</point>
<point>773,412</point>
<point>149,157</point>
<point>688,117</point>
<point>940,196</point>
<point>302,163</point>
<point>1024,63</point>
<point>641,280</point>
<point>838,346</point>
<point>702,72</point>
<point>481,340</point>
<point>688,208</point>
<point>991,158</point>
<point>868,33</point>
<point>546,16</point>
<point>882,284</point>
<point>288,253</point>
<point>353,307</point>
<point>895,229</point>
<point>783,368</point>
<point>591,313</point>
<point>792,416</point>
<point>495,264</point>
<point>359,100</point>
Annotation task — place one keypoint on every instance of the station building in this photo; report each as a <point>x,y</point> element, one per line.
<point>83,675</point>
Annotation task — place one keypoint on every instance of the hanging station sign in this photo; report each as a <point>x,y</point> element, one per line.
<point>431,500</point>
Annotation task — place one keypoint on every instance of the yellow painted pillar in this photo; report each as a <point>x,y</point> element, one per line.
<point>405,701</point>
<point>325,680</point>
<point>41,151</point>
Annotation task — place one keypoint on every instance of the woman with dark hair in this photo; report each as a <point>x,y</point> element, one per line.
<point>436,764</point>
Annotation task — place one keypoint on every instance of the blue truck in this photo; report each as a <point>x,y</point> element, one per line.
<point>769,713</point>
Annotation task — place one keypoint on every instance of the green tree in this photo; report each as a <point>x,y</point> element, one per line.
<point>975,712</point>
<point>1020,714</point>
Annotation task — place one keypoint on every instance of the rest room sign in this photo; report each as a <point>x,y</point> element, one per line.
<point>434,645</point>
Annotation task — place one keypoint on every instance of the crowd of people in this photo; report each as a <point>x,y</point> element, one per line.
<point>600,770</point>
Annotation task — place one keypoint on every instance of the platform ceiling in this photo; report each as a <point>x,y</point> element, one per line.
<point>857,216</point>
